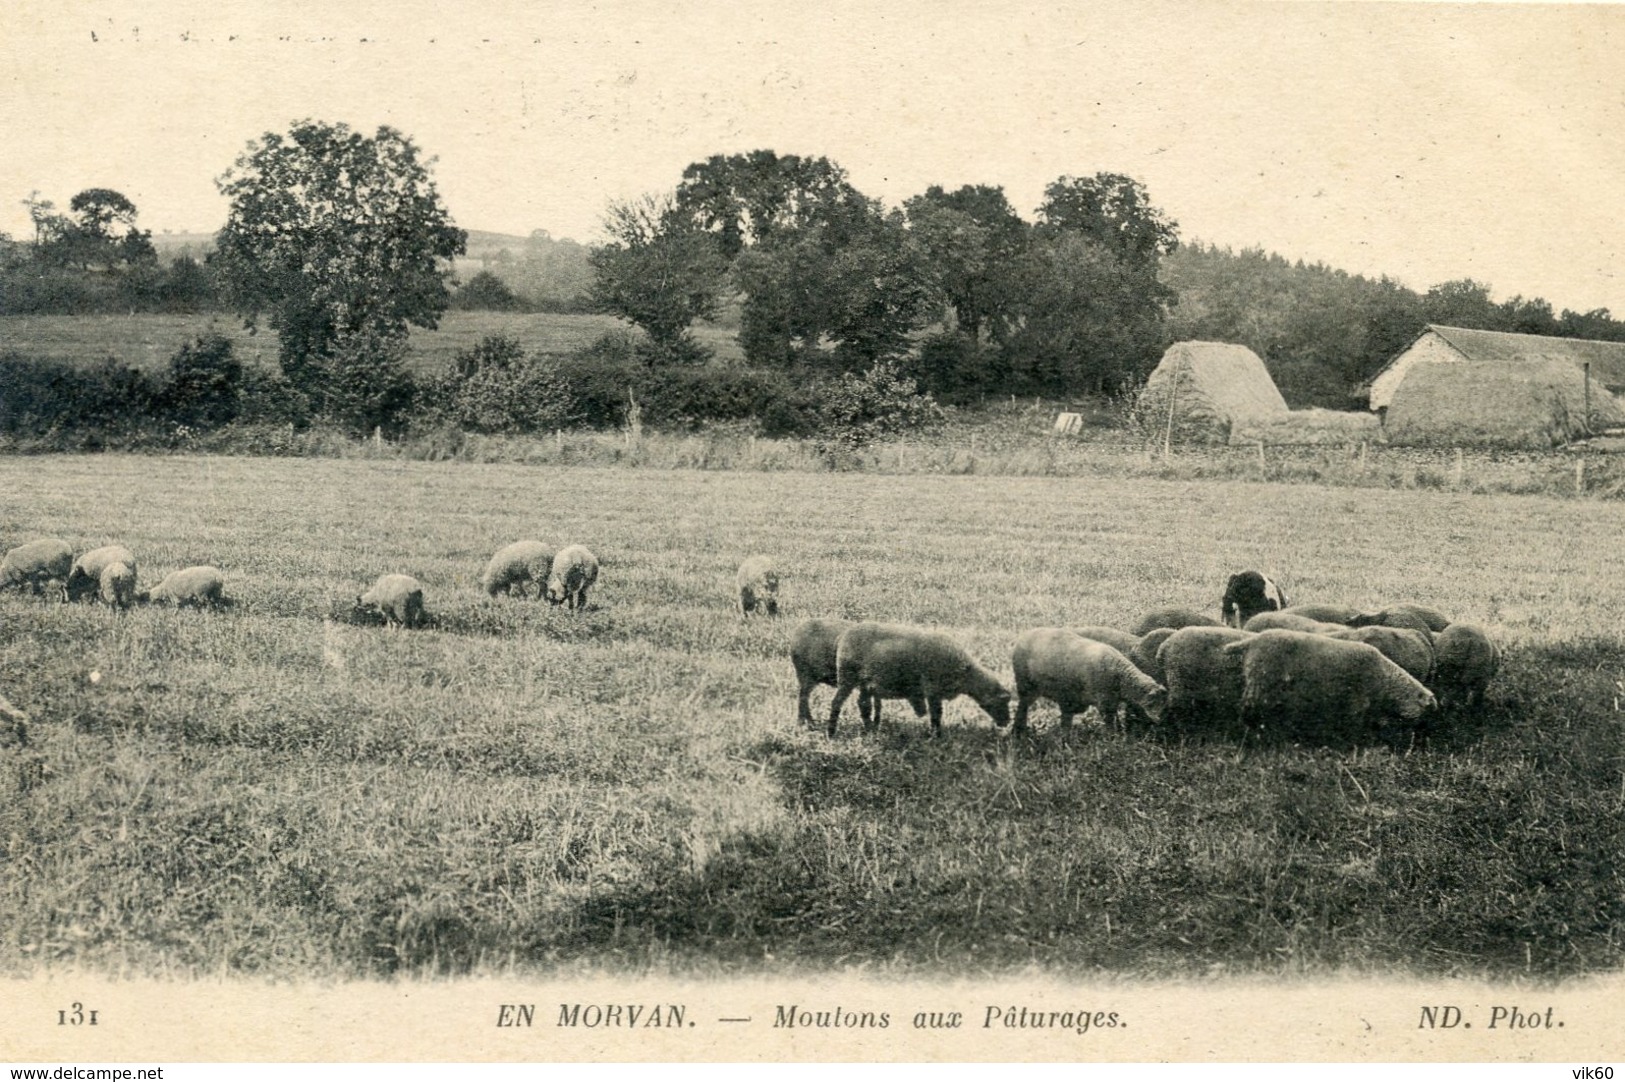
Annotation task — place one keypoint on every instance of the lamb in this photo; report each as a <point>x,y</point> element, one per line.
<point>813,655</point>
<point>398,597</point>
<point>1204,684</point>
<point>1325,613</point>
<point>1290,621</point>
<point>1246,595</point>
<point>1411,650</point>
<point>201,585</point>
<point>37,563</point>
<point>1078,673</point>
<point>1144,653</point>
<point>574,570</point>
<point>1465,661</point>
<point>516,565</point>
<point>889,661</point>
<point>117,585</point>
<point>1317,685</point>
<point>85,576</point>
<point>758,584</point>
<point>1415,617</point>
<point>1175,618</point>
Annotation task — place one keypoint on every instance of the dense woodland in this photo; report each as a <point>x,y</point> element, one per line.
<point>954,294</point>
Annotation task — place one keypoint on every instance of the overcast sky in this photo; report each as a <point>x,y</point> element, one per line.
<point>1424,141</point>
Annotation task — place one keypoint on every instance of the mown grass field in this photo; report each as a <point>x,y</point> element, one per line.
<point>147,341</point>
<point>255,791</point>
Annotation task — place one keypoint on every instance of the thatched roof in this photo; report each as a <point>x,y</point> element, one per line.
<point>1510,400</point>
<point>1212,386</point>
<point>1309,427</point>
<point>1607,359</point>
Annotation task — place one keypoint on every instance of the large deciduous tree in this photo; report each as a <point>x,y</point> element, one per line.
<point>342,242</point>
<point>659,271</point>
<point>969,243</point>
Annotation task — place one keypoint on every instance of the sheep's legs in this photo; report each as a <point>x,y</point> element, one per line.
<point>934,704</point>
<point>804,705</point>
<point>842,693</point>
<point>1023,704</point>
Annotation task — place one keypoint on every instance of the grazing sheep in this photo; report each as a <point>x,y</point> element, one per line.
<point>1415,617</point>
<point>758,583</point>
<point>202,585</point>
<point>1246,595</point>
<point>889,661</point>
<point>1079,673</point>
<point>1290,621</point>
<point>1204,685</point>
<point>1173,618</point>
<point>1411,650</point>
<point>1465,661</point>
<point>37,563</point>
<point>516,565</point>
<point>1144,652</point>
<point>813,646</point>
<point>1320,686</point>
<point>398,597</point>
<point>117,586</point>
<point>1121,641</point>
<point>574,570</point>
<point>85,576</point>
<point>1326,614</point>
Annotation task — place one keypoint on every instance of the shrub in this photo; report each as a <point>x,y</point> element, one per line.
<point>364,382</point>
<point>203,386</point>
<point>862,408</point>
<point>103,398</point>
<point>494,387</point>
<point>486,292</point>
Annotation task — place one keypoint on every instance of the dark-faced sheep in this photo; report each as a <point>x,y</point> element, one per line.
<point>1173,618</point>
<point>516,566</point>
<point>1247,594</point>
<point>1324,688</point>
<point>758,585</point>
<point>1204,684</point>
<point>889,661</point>
<point>398,597</point>
<point>199,586</point>
<point>117,585</point>
<point>85,576</point>
<point>574,571</point>
<point>1465,659</point>
<point>1410,649</point>
<point>1078,673</point>
<point>36,563</point>
<point>813,646</point>
<point>1289,621</point>
<point>1415,617</point>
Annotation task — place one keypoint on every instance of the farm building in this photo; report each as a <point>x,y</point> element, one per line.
<point>1208,388</point>
<point>1458,387</point>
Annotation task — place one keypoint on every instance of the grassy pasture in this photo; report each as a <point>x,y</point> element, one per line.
<point>259,791</point>
<point>147,341</point>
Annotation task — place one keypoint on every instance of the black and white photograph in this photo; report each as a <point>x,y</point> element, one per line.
<point>938,531</point>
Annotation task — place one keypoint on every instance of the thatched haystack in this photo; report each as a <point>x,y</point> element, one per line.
<point>1528,402</point>
<point>1310,427</point>
<point>1212,388</point>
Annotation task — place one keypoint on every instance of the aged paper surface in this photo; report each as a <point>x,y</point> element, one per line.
<point>543,1017</point>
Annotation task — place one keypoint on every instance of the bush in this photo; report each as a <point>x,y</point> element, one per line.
<point>364,383</point>
<point>486,292</point>
<point>953,366</point>
<point>204,383</point>
<point>45,396</point>
<point>879,403</point>
<point>494,387</point>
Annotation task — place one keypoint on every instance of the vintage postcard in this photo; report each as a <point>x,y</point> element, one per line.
<point>938,531</point>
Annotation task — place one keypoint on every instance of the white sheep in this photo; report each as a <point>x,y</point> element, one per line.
<point>1121,641</point>
<point>813,648</point>
<point>575,569</point>
<point>1406,614</point>
<point>37,563</point>
<point>200,585</point>
<point>117,585</point>
<point>1319,686</point>
<point>889,661</point>
<point>758,585</point>
<point>1408,648</point>
<point>1290,621</point>
<point>1466,659</point>
<point>398,597</point>
<point>85,576</point>
<point>516,565</point>
<point>1324,612</point>
<point>1078,673</point>
<point>1144,652</point>
<point>1175,618</point>
<point>1204,685</point>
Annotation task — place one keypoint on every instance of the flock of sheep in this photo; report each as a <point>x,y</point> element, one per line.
<point>1263,666</point>
<point>1307,671</point>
